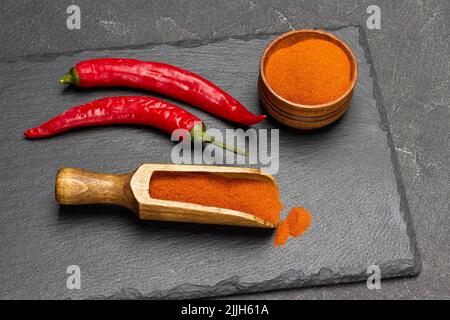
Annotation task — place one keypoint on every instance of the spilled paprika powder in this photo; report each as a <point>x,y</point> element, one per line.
<point>281,233</point>
<point>296,223</point>
<point>311,71</point>
<point>298,219</point>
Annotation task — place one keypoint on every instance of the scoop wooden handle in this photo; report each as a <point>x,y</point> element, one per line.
<point>77,186</point>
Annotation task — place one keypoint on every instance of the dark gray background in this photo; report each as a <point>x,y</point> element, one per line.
<point>411,58</point>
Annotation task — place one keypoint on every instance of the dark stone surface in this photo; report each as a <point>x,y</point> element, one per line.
<point>410,57</point>
<point>343,174</point>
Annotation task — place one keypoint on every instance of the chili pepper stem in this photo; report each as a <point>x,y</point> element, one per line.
<point>70,77</point>
<point>198,133</point>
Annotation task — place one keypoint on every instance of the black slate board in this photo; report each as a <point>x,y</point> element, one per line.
<point>345,174</point>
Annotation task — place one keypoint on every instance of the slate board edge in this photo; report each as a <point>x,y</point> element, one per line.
<point>384,125</point>
<point>292,278</point>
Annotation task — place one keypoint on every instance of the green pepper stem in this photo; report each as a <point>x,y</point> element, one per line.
<point>208,138</point>
<point>70,77</point>
<point>198,133</point>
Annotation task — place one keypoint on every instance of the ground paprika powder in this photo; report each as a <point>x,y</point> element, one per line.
<point>256,197</point>
<point>311,71</point>
<point>296,223</point>
<point>281,234</point>
<point>298,220</point>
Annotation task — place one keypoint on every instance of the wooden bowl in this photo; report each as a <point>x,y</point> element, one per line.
<point>303,116</point>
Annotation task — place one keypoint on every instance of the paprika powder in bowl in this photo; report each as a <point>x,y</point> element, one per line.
<point>307,78</point>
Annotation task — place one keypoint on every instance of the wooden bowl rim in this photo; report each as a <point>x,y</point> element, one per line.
<point>349,53</point>
<point>305,125</point>
<point>298,114</point>
<point>304,119</point>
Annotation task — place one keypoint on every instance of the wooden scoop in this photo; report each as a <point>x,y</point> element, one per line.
<point>131,190</point>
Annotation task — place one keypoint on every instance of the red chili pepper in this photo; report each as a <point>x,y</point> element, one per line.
<point>129,109</point>
<point>161,78</point>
